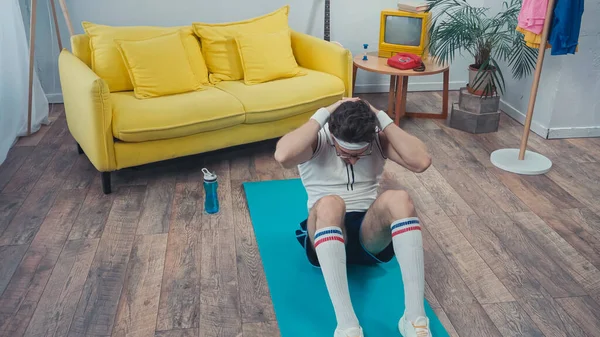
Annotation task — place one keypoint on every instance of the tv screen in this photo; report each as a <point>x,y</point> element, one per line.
<point>403,30</point>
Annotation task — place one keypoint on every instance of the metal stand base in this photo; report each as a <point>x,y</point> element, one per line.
<point>508,160</point>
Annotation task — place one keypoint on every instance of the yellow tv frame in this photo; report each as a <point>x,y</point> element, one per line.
<point>388,50</point>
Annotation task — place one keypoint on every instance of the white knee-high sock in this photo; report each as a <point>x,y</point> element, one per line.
<point>331,251</point>
<point>408,247</point>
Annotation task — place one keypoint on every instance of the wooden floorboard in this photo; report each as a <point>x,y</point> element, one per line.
<point>464,311</point>
<point>512,273</point>
<point>261,329</point>
<point>557,281</point>
<point>512,320</point>
<point>179,306</point>
<point>17,190</point>
<point>93,213</point>
<point>191,332</point>
<point>15,158</point>
<point>138,305</point>
<point>97,307</point>
<point>41,198</point>
<point>441,315</point>
<point>578,182</point>
<point>577,266</point>
<point>475,272</point>
<point>505,255</point>
<point>29,171</point>
<point>157,206</point>
<point>219,291</point>
<point>551,319</point>
<point>584,311</point>
<point>22,294</point>
<point>57,305</point>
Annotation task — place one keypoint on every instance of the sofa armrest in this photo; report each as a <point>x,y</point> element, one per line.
<point>88,110</point>
<point>316,54</point>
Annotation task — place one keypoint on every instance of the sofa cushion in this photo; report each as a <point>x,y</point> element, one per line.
<point>136,120</point>
<point>219,46</point>
<point>80,47</point>
<point>278,63</point>
<point>108,63</point>
<point>166,72</point>
<point>284,98</point>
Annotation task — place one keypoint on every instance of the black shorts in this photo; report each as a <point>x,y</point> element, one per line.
<point>355,252</point>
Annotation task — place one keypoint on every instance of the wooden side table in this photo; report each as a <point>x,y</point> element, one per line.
<point>399,84</point>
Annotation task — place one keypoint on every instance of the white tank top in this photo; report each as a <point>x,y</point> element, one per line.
<point>327,174</point>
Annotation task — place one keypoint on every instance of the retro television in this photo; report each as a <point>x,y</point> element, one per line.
<point>403,32</point>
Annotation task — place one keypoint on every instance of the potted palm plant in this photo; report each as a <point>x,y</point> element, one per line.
<point>458,27</point>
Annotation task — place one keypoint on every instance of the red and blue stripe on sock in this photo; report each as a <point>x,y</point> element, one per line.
<point>328,234</point>
<point>406,225</point>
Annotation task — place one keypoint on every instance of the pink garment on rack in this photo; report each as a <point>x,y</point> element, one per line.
<point>532,15</point>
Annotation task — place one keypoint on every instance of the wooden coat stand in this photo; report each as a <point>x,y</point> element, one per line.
<point>520,160</point>
<point>32,25</point>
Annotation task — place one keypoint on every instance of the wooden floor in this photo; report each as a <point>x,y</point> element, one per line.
<point>505,255</point>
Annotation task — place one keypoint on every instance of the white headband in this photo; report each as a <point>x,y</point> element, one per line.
<point>350,146</point>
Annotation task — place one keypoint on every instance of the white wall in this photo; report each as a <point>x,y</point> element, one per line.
<point>577,104</point>
<point>354,22</point>
<point>568,99</point>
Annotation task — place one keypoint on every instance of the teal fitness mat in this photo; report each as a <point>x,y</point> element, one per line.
<point>299,294</point>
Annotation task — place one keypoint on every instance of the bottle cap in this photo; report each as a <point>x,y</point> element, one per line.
<point>209,176</point>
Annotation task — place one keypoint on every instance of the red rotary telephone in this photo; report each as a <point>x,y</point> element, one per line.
<point>405,61</point>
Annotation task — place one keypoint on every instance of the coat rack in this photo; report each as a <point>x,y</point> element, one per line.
<point>32,24</point>
<point>520,160</point>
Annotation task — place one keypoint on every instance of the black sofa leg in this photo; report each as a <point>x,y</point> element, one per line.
<point>106,182</point>
<point>79,149</point>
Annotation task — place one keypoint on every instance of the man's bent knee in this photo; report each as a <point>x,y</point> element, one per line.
<point>330,204</point>
<point>397,204</point>
<point>330,209</point>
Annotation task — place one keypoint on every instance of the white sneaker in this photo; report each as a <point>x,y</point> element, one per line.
<point>352,332</point>
<point>418,328</point>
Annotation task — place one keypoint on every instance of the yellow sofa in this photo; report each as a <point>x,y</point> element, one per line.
<point>116,130</point>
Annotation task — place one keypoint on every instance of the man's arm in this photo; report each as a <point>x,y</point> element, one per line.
<point>298,146</point>
<point>400,146</point>
<point>405,149</point>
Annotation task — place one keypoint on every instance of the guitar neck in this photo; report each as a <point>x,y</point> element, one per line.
<point>327,34</point>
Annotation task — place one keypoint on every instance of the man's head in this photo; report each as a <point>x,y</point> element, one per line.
<point>353,126</point>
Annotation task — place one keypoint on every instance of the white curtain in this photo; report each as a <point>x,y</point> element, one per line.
<point>14,80</point>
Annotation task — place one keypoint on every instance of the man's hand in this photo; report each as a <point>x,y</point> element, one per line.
<point>337,104</point>
<point>373,109</point>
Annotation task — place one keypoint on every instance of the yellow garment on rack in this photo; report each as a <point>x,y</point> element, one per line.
<point>532,39</point>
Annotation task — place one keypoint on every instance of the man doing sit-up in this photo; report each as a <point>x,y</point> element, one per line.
<point>340,153</point>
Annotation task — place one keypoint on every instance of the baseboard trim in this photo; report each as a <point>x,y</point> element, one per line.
<point>420,86</point>
<point>551,133</point>
<point>576,132</point>
<point>54,98</point>
<point>536,127</point>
